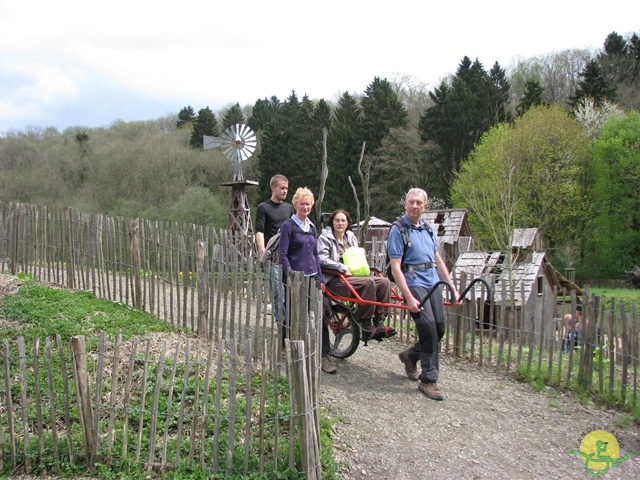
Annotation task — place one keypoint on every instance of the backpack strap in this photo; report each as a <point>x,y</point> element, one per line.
<point>293,228</point>
<point>404,231</point>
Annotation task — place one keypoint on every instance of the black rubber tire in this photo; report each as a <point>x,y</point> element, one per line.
<point>344,331</point>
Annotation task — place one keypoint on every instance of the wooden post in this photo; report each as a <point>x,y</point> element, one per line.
<point>134,250</point>
<point>83,392</point>
<point>625,352</point>
<point>202,291</point>
<point>13,238</point>
<point>71,264</point>
<point>296,304</point>
<point>26,438</point>
<point>302,405</point>
<point>459,338</point>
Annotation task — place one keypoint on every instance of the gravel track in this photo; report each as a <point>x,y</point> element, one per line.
<point>488,427</point>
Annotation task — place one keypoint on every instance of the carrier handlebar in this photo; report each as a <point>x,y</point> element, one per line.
<point>451,290</point>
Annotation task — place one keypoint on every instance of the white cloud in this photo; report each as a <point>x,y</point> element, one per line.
<point>67,61</point>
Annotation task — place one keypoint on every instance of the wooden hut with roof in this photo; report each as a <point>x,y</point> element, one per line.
<point>527,282</point>
<point>454,233</point>
<point>376,228</point>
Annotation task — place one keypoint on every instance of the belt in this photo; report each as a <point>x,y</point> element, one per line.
<point>406,267</point>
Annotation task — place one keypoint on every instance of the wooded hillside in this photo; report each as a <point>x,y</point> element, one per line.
<point>412,136</point>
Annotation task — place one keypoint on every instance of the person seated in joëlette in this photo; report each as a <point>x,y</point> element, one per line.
<point>332,243</point>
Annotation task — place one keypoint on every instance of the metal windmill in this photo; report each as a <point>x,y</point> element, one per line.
<point>238,143</point>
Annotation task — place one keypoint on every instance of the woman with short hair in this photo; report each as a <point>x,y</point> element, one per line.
<point>298,253</point>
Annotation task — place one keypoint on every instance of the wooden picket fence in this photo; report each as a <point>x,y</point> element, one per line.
<point>155,404</point>
<point>160,404</point>
<point>604,364</point>
<point>528,342</point>
<point>208,283</point>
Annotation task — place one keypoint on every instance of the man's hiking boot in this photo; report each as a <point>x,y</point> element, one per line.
<point>409,367</point>
<point>431,390</point>
<point>327,365</point>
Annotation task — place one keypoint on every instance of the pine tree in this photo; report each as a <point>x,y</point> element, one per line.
<point>290,141</point>
<point>322,114</point>
<point>593,85</point>
<point>532,97</point>
<point>614,62</point>
<point>206,124</point>
<point>263,112</point>
<point>233,116</point>
<point>382,110</point>
<point>500,94</point>
<point>634,56</point>
<point>344,147</point>
<point>620,64</point>
<point>186,117</point>
<point>615,44</point>
<point>464,108</point>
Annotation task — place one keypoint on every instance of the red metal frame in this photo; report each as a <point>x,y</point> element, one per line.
<point>395,295</point>
<point>357,299</point>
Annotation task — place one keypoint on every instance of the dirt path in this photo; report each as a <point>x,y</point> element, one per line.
<point>488,427</point>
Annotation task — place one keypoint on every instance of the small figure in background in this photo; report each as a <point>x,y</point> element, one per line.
<point>573,324</point>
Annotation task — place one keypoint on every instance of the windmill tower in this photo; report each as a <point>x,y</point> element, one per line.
<point>238,143</point>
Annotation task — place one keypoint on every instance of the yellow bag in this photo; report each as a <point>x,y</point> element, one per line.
<point>356,259</point>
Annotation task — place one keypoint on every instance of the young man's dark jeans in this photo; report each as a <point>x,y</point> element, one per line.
<point>275,286</point>
<point>430,327</point>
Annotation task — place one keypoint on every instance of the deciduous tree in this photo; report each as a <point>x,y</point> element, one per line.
<point>614,242</point>
<point>403,162</point>
<point>528,174</point>
<point>206,124</point>
<point>556,72</point>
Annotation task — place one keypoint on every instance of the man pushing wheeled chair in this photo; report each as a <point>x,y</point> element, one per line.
<point>417,266</point>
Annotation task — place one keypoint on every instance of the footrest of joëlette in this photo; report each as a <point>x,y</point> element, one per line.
<point>378,333</point>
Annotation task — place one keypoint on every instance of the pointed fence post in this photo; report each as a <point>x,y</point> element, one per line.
<point>83,392</point>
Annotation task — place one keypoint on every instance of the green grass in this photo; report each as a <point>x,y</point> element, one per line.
<point>541,379</point>
<point>37,311</point>
<point>628,296</point>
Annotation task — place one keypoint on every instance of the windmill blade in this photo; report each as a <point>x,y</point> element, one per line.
<point>243,154</point>
<point>250,138</point>
<point>238,142</point>
<point>245,131</point>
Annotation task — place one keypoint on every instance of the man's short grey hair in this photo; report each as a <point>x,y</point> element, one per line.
<point>418,191</point>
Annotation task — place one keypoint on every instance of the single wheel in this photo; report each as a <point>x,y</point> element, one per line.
<point>344,331</point>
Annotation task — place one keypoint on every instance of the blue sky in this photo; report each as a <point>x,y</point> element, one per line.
<point>75,63</point>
